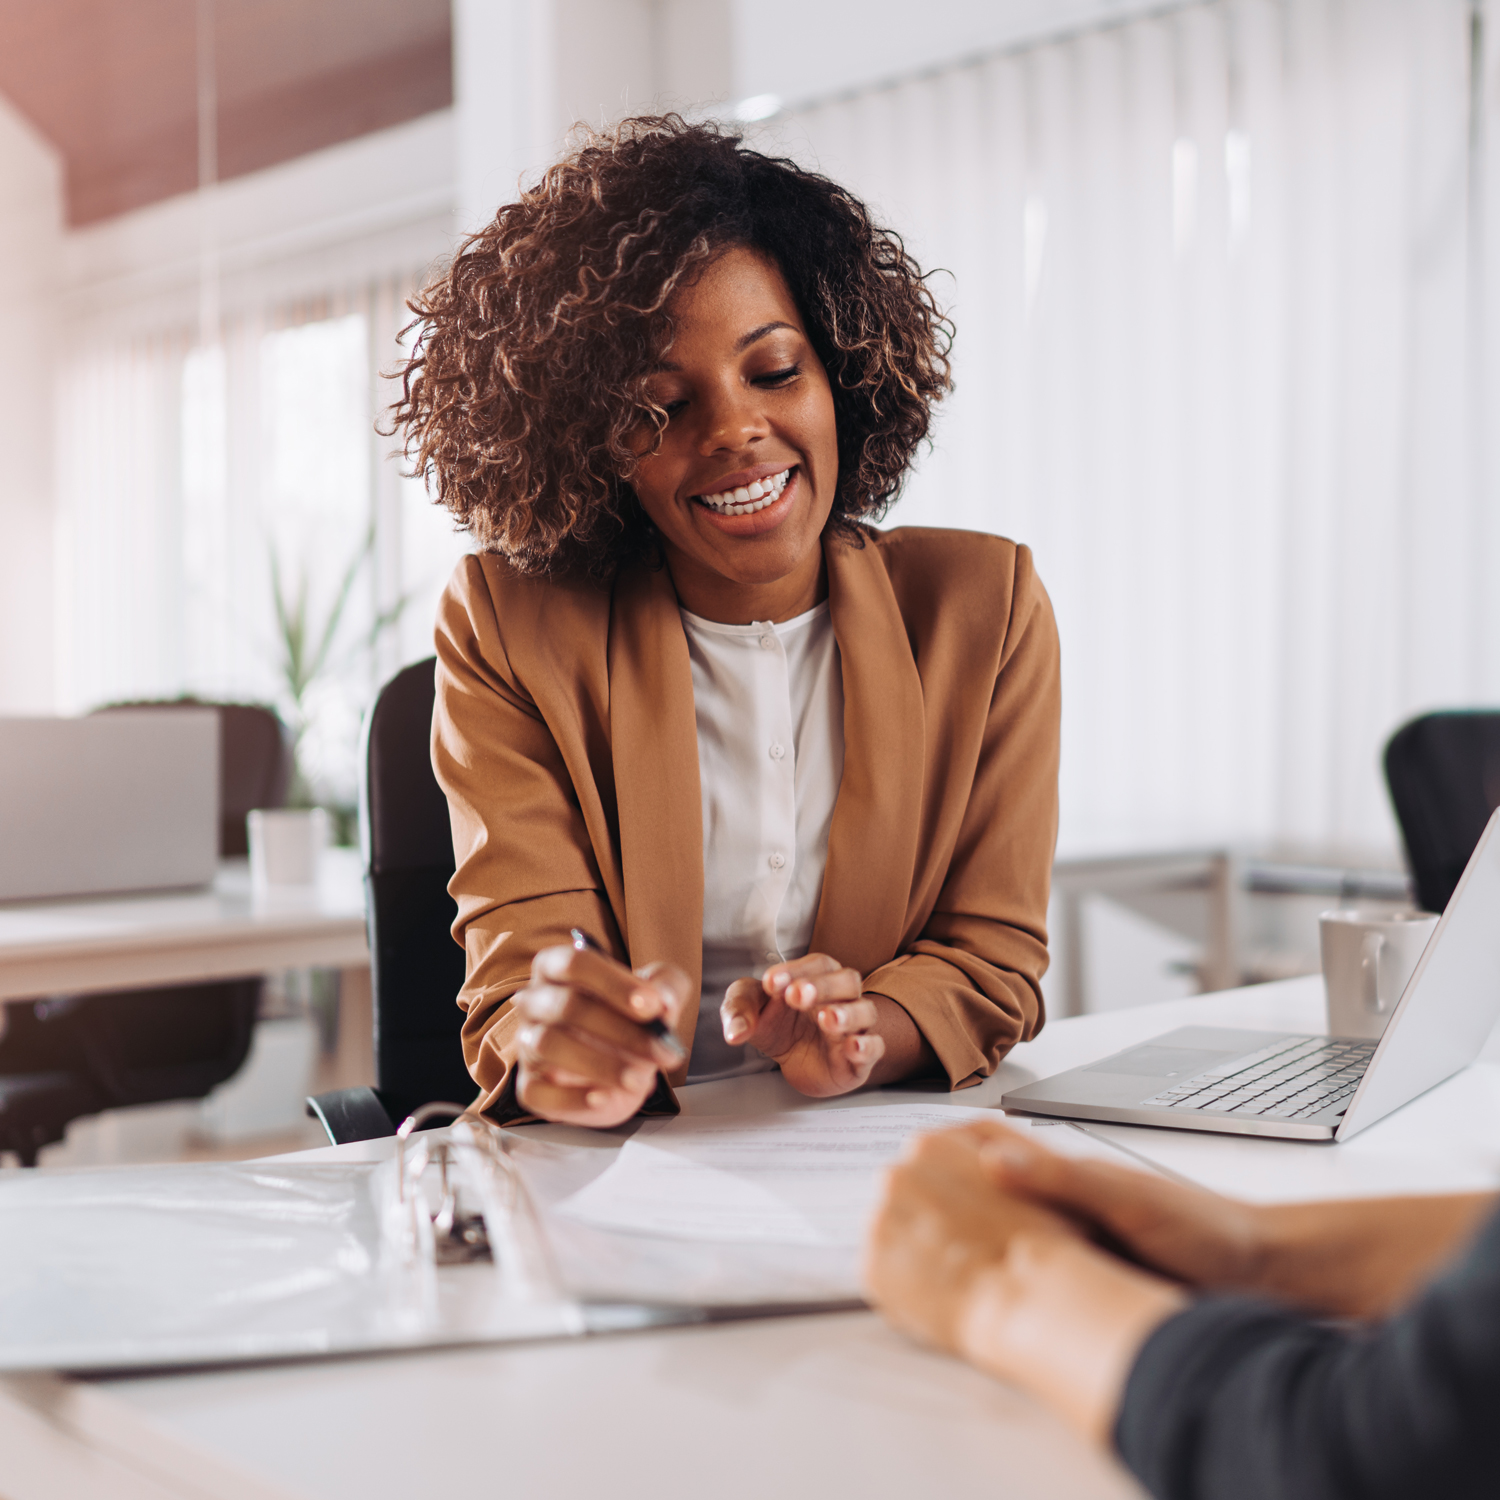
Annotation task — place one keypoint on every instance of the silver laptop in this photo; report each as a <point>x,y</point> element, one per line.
<point>123,801</point>
<point>1310,1088</point>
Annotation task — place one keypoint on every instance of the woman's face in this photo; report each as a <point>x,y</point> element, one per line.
<point>742,484</point>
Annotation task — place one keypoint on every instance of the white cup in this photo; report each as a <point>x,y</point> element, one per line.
<point>1368,957</point>
<point>286,845</point>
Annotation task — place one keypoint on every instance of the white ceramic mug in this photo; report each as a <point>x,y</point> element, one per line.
<point>286,845</point>
<point>1368,957</point>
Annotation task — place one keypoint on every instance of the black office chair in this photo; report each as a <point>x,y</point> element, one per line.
<point>416,968</point>
<point>73,1055</point>
<point>1443,771</point>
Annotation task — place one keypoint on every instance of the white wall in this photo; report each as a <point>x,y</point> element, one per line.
<point>31,217</point>
<point>805,50</point>
<point>525,71</point>
<point>502,99</point>
<point>623,57</point>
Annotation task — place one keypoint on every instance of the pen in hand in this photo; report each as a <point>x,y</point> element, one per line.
<point>656,1026</point>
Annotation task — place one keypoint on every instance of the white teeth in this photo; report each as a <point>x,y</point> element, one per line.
<point>748,499</point>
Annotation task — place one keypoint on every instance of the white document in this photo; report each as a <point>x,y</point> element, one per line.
<point>805,1178</point>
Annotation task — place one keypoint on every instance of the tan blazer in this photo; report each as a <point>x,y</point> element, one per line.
<point>565,740</point>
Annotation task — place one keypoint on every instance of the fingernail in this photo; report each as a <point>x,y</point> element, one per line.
<point>638,1077</point>
<point>777,979</point>
<point>734,1029</point>
<point>643,1004</point>
<point>596,1098</point>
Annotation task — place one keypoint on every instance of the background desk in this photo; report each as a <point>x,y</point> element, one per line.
<point>186,937</point>
<point>800,1407</point>
<point>183,937</point>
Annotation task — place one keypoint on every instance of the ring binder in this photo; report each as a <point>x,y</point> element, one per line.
<point>457,1238</point>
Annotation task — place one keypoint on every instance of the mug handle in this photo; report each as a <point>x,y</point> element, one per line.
<point>1369,970</point>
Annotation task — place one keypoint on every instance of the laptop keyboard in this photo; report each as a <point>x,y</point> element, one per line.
<point>1290,1080</point>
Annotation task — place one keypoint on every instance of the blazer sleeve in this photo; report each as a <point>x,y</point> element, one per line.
<point>525,868</point>
<point>971,979</point>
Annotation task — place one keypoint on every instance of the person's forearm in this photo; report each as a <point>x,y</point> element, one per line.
<point>1064,1321</point>
<point>907,1054</point>
<point>1361,1258</point>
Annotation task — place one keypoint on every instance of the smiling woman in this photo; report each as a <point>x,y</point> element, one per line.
<point>795,777</point>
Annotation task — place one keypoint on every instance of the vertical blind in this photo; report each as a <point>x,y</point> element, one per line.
<point>1224,360</point>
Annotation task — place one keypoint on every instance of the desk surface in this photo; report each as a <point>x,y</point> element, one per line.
<point>826,1407</point>
<point>181,937</point>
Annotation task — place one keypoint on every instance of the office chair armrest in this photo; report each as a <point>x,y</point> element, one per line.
<point>350,1115</point>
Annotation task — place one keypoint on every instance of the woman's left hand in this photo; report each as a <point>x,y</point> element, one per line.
<point>812,1018</point>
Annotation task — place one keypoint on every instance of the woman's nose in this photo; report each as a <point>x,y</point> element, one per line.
<point>731,419</point>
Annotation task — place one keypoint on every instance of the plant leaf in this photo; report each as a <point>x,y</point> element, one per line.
<point>340,603</point>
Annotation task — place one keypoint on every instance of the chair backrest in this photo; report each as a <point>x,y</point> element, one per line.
<point>416,967</point>
<point>1443,771</point>
<point>255,763</point>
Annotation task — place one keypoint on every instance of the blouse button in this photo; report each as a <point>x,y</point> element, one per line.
<point>768,643</point>
<point>771,955</point>
<point>777,751</point>
<point>777,860</point>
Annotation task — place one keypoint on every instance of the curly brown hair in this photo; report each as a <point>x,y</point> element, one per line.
<point>529,375</point>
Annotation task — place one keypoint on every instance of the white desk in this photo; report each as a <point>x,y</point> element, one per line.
<point>119,942</point>
<point>822,1407</point>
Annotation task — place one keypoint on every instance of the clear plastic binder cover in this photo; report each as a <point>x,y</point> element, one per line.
<point>217,1262</point>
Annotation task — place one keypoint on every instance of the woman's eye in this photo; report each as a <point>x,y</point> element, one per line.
<point>672,407</point>
<point>779,377</point>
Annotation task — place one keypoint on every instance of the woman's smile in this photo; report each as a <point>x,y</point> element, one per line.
<point>742,495</point>
<point>757,514</point>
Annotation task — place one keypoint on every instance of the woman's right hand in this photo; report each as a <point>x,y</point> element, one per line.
<point>584,1058</point>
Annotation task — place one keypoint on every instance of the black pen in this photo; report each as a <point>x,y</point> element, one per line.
<point>656,1026</point>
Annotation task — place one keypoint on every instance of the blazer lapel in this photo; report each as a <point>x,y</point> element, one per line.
<point>654,743</point>
<point>872,843</point>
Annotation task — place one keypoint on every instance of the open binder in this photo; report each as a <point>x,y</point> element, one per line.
<point>449,1242</point>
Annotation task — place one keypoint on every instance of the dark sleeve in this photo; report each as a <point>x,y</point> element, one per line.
<point>1240,1400</point>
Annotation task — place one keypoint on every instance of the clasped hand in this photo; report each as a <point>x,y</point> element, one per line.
<point>987,1245</point>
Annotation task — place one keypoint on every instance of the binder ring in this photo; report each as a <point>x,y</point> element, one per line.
<point>415,1121</point>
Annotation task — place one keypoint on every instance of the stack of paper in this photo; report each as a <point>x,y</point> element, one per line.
<point>805,1178</point>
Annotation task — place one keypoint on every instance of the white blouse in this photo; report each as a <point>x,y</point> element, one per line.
<point>769,702</point>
